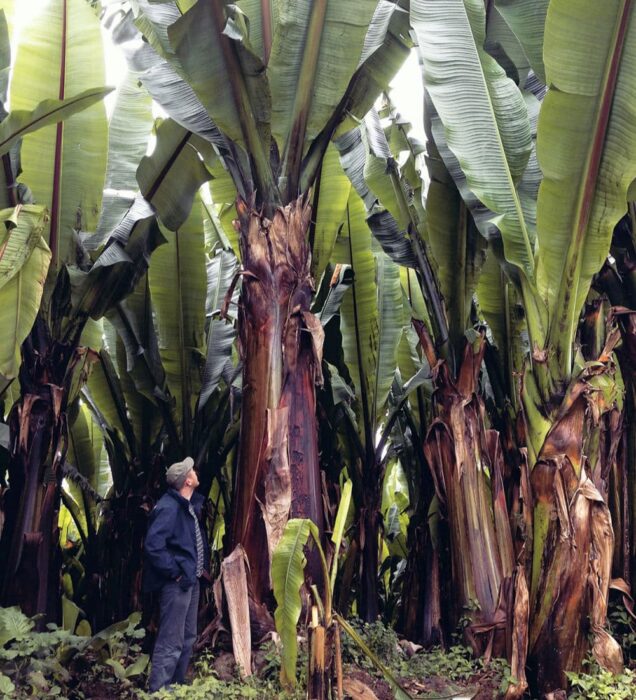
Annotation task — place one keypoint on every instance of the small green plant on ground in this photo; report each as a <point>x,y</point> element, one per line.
<point>599,684</point>
<point>56,663</point>
<point>382,640</point>
<point>455,663</point>
<point>207,684</point>
<point>622,628</point>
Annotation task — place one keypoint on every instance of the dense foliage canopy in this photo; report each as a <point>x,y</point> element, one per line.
<point>404,369</point>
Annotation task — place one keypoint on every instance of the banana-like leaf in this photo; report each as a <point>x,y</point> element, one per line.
<point>120,265</point>
<point>386,46</point>
<point>338,529</point>
<point>153,19</point>
<point>588,161</point>
<point>340,281</point>
<point>104,392</point>
<point>23,229</point>
<point>177,282</point>
<point>85,447</point>
<point>166,87</point>
<point>5,61</point>
<point>468,87</point>
<point>139,384</point>
<point>260,26</point>
<point>10,164</point>
<point>172,175</point>
<point>367,173</point>
<point>223,192</point>
<point>21,122</point>
<point>212,45</point>
<point>502,44</point>
<point>311,65</point>
<point>330,205</point>
<point>371,320</point>
<point>359,313</point>
<point>221,334</point>
<point>128,133</point>
<point>492,296</point>
<point>60,55</point>
<point>133,320</point>
<point>526,18</point>
<point>19,304</point>
<point>288,574</point>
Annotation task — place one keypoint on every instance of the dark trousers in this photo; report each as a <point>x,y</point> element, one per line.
<point>176,636</point>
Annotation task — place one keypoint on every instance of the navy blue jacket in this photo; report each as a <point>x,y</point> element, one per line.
<point>170,549</point>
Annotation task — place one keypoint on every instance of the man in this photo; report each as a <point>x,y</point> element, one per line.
<point>176,557</point>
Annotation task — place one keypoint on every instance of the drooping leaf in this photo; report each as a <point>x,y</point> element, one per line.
<point>19,236</point>
<point>128,133</point>
<point>526,18</point>
<point>170,177</point>
<point>221,333</point>
<point>21,122</point>
<point>19,304</point>
<point>386,47</point>
<point>178,289</point>
<point>288,565</point>
<point>60,55</point>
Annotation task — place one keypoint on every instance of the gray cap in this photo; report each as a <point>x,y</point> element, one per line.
<point>177,473</point>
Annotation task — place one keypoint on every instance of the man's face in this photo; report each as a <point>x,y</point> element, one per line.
<point>192,479</point>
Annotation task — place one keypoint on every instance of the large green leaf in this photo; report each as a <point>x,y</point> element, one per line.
<point>586,145</point>
<point>288,565</point>
<point>128,133</point>
<point>374,174</point>
<point>21,122</point>
<point>23,229</point>
<point>170,177</point>
<point>153,19</point>
<point>221,271</point>
<point>211,43</point>
<point>19,304</point>
<point>386,46</point>
<point>177,279</point>
<point>330,205</point>
<point>84,454</point>
<point>371,318</point>
<point>359,312</point>
<point>5,60</point>
<point>390,330</point>
<point>483,112</point>
<point>104,392</point>
<point>338,529</point>
<point>316,49</point>
<point>260,26</point>
<point>526,18</point>
<point>61,54</point>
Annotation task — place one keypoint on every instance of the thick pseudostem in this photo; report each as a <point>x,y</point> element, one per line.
<point>50,374</point>
<point>467,463</point>
<point>573,527</point>
<point>278,472</point>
